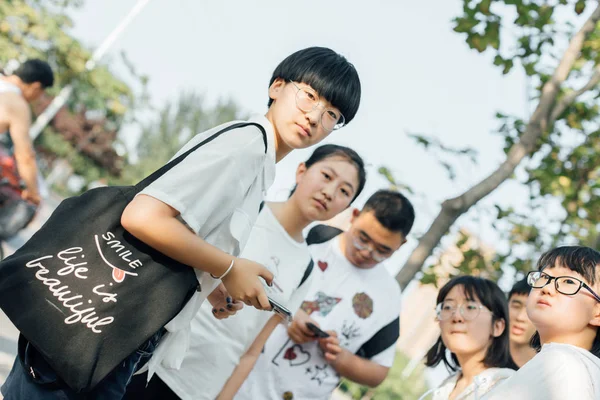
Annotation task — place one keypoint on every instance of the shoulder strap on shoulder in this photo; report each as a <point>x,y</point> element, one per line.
<point>383,339</point>
<point>321,234</point>
<point>161,171</point>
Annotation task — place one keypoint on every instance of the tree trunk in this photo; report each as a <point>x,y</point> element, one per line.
<point>453,208</point>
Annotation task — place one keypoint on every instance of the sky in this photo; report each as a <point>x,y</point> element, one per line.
<point>417,76</point>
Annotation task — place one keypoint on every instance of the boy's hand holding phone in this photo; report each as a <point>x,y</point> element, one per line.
<point>298,329</point>
<point>243,283</point>
<point>331,346</point>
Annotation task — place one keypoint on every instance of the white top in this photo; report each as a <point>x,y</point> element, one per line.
<point>557,372</point>
<point>217,346</point>
<point>482,383</point>
<point>361,305</point>
<point>217,190</point>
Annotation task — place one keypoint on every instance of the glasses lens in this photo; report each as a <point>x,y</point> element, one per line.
<point>535,280</point>
<point>332,119</point>
<point>306,99</point>
<point>568,285</point>
<point>470,310</point>
<point>378,257</point>
<point>445,310</point>
<point>359,244</point>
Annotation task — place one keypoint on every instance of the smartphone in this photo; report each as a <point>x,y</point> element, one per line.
<point>317,331</point>
<point>281,310</point>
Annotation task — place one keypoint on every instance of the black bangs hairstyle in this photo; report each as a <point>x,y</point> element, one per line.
<point>580,259</point>
<point>327,72</point>
<point>489,295</point>
<point>521,287</point>
<point>32,71</point>
<point>333,150</point>
<point>392,209</point>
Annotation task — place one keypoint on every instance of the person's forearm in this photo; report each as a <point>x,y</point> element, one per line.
<point>248,360</point>
<point>236,380</point>
<point>27,167</point>
<point>359,370</point>
<point>168,235</point>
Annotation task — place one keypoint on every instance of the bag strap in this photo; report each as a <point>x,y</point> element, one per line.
<point>165,168</point>
<point>321,234</point>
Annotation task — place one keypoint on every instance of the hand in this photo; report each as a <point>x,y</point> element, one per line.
<point>298,331</point>
<point>331,347</point>
<point>223,305</point>
<point>243,283</point>
<point>31,196</point>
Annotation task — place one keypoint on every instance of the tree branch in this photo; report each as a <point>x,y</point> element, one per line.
<point>453,208</point>
<point>571,97</point>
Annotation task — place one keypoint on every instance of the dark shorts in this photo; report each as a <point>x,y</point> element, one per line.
<point>31,378</point>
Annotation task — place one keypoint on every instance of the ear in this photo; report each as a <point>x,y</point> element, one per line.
<point>595,321</point>
<point>498,327</point>
<point>355,214</point>
<point>300,171</point>
<point>276,88</point>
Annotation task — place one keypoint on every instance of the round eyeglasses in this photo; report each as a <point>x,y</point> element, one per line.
<point>307,100</point>
<point>362,244</point>
<point>563,284</point>
<point>469,310</point>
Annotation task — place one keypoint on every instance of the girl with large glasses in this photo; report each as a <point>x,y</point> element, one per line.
<point>564,306</point>
<point>473,344</point>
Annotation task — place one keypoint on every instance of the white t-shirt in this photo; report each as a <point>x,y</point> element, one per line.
<point>361,305</point>
<point>482,383</point>
<point>216,346</point>
<point>217,191</point>
<point>558,372</point>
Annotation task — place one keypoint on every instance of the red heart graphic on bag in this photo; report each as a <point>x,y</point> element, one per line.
<point>322,265</point>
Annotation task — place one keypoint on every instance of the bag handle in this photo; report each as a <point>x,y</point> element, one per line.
<point>165,168</point>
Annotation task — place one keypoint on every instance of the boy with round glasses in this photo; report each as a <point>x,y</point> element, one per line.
<point>353,300</point>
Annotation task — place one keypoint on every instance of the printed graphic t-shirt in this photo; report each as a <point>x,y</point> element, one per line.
<point>361,305</point>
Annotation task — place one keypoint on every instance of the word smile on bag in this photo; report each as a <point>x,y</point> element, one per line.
<point>86,316</point>
<point>82,276</point>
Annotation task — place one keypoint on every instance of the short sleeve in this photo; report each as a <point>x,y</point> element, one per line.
<point>213,178</point>
<point>381,347</point>
<point>386,357</point>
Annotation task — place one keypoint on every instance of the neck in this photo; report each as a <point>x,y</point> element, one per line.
<point>583,339</point>
<point>290,218</point>
<point>471,366</point>
<point>521,353</point>
<point>281,148</point>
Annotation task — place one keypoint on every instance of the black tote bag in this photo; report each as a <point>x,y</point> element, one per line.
<point>86,293</point>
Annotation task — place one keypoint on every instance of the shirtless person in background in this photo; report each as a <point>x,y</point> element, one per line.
<point>24,86</point>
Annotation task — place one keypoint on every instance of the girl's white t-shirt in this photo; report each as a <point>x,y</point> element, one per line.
<point>216,346</point>
<point>482,383</point>
<point>558,372</point>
